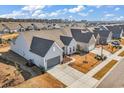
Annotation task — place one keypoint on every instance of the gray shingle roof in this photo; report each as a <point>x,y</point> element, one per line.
<point>102,32</point>
<point>66,40</point>
<point>116,29</point>
<point>40,46</point>
<point>81,37</point>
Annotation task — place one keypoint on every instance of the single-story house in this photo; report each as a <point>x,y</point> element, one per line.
<point>43,48</point>
<point>122,26</point>
<point>116,30</point>
<point>21,29</point>
<point>70,45</point>
<point>85,39</point>
<point>41,51</point>
<point>102,36</point>
<point>4,28</point>
<point>34,27</point>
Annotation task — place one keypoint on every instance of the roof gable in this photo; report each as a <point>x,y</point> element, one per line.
<point>40,46</point>
<point>102,32</point>
<point>66,40</point>
<point>116,29</point>
<point>81,37</point>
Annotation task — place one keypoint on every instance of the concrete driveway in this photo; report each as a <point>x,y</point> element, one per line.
<point>71,77</point>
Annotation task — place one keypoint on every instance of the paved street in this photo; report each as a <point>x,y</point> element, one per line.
<point>115,79</point>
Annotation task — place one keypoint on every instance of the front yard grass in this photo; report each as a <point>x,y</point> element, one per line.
<point>104,70</point>
<point>84,63</point>
<point>121,54</point>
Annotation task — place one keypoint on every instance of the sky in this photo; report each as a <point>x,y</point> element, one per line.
<point>71,12</point>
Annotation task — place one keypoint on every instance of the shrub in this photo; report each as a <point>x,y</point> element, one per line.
<point>1,41</point>
<point>42,70</point>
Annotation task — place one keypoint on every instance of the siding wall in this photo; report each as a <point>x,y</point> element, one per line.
<point>72,47</point>
<point>22,49</point>
<point>54,51</point>
<point>92,43</point>
<point>87,46</point>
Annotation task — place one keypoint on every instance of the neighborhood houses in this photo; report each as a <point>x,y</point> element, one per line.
<point>61,49</point>
<point>47,48</point>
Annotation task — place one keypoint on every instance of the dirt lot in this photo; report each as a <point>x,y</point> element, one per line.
<point>84,63</point>
<point>4,48</point>
<point>105,69</point>
<point>27,72</point>
<point>9,76</point>
<point>43,81</point>
<point>109,48</point>
<point>9,36</point>
<point>66,59</point>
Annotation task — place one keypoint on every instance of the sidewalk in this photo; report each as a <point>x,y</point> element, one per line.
<point>76,79</point>
<point>101,65</point>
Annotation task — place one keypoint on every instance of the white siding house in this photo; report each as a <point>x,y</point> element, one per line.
<point>23,48</point>
<point>85,40</point>
<point>70,45</point>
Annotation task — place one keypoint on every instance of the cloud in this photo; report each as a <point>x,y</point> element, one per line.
<point>98,6</point>
<point>83,14</point>
<point>29,11</point>
<point>119,18</point>
<point>91,10</point>
<point>86,14</point>
<point>41,15</point>
<point>14,14</point>
<point>117,8</point>
<point>76,9</point>
<point>109,15</point>
<point>53,14</point>
<point>32,8</point>
<point>36,13</point>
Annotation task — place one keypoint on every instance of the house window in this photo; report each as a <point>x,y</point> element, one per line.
<point>73,48</point>
<point>63,48</point>
<point>70,50</point>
